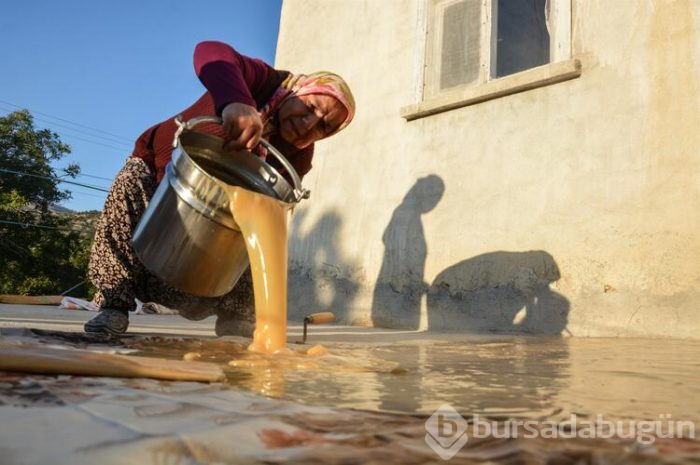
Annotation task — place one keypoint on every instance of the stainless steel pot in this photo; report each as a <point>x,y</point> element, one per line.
<point>187,237</point>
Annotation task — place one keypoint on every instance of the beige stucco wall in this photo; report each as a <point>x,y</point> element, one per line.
<point>569,208</point>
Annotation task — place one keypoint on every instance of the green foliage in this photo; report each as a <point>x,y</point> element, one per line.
<point>36,260</point>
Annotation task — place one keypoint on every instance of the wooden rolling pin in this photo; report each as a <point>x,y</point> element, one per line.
<point>87,363</point>
<point>30,299</point>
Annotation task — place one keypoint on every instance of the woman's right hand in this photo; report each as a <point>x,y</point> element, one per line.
<point>242,125</point>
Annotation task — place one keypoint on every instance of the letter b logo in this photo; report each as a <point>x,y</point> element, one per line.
<point>446,428</point>
<point>446,432</point>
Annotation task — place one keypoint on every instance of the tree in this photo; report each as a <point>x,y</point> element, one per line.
<point>40,252</point>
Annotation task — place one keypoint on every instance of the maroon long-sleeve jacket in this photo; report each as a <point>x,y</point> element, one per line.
<point>228,77</point>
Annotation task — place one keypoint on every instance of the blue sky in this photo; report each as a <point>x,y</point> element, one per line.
<point>117,67</point>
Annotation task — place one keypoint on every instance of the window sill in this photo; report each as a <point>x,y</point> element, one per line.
<point>525,80</point>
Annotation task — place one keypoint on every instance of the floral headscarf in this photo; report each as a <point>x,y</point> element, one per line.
<point>322,82</point>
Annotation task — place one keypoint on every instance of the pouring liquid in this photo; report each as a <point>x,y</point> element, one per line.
<point>263,223</point>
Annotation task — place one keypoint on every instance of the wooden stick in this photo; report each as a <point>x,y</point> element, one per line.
<point>87,363</point>
<point>30,299</point>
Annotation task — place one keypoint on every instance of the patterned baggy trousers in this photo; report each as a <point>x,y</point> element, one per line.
<point>120,277</point>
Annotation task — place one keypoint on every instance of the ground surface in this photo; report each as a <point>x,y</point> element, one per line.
<point>285,409</point>
<point>52,318</point>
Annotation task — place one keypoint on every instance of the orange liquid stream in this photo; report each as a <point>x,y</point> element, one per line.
<point>263,223</point>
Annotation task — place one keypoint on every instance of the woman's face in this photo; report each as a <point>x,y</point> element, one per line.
<point>305,119</point>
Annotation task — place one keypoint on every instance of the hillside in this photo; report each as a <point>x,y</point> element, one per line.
<point>82,222</point>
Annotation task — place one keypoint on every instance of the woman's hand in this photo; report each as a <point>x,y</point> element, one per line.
<point>242,126</point>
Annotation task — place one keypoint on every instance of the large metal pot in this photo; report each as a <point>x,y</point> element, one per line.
<point>187,237</point>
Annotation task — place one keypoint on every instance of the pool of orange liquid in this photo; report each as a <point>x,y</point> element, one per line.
<point>500,378</point>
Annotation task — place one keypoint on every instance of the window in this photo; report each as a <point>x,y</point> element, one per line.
<point>479,49</point>
<point>522,36</point>
<point>458,48</point>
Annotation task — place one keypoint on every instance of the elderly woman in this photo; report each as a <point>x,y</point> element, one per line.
<point>254,100</point>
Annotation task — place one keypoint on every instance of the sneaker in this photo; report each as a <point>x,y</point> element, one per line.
<point>108,321</point>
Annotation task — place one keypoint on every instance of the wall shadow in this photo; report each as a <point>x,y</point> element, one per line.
<point>319,277</point>
<point>396,300</point>
<point>499,292</point>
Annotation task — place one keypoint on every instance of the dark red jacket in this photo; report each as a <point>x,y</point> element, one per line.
<point>229,77</point>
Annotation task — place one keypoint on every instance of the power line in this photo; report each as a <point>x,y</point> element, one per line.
<point>96,136</point>
<point>74,227</point>
<point>64,134</point>
<point>32,225</point>
<point>107,139</point>
<point>71,136</point>
<point>95,177</point>
<point>69,121</point>
<point>87,194</point>
<point>39,226</point>
<point>51,178</point>
<point>12,247</point>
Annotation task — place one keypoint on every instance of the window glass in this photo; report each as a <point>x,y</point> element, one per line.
<point>461,31</point>
<point>522,36</point>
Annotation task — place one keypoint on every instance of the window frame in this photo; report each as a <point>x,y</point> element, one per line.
<point>430,100</point>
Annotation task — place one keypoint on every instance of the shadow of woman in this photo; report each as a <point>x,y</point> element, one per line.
<point>499,292</point>
<point>400,285</point>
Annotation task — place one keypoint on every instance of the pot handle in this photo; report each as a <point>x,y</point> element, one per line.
<point>299,192</point>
